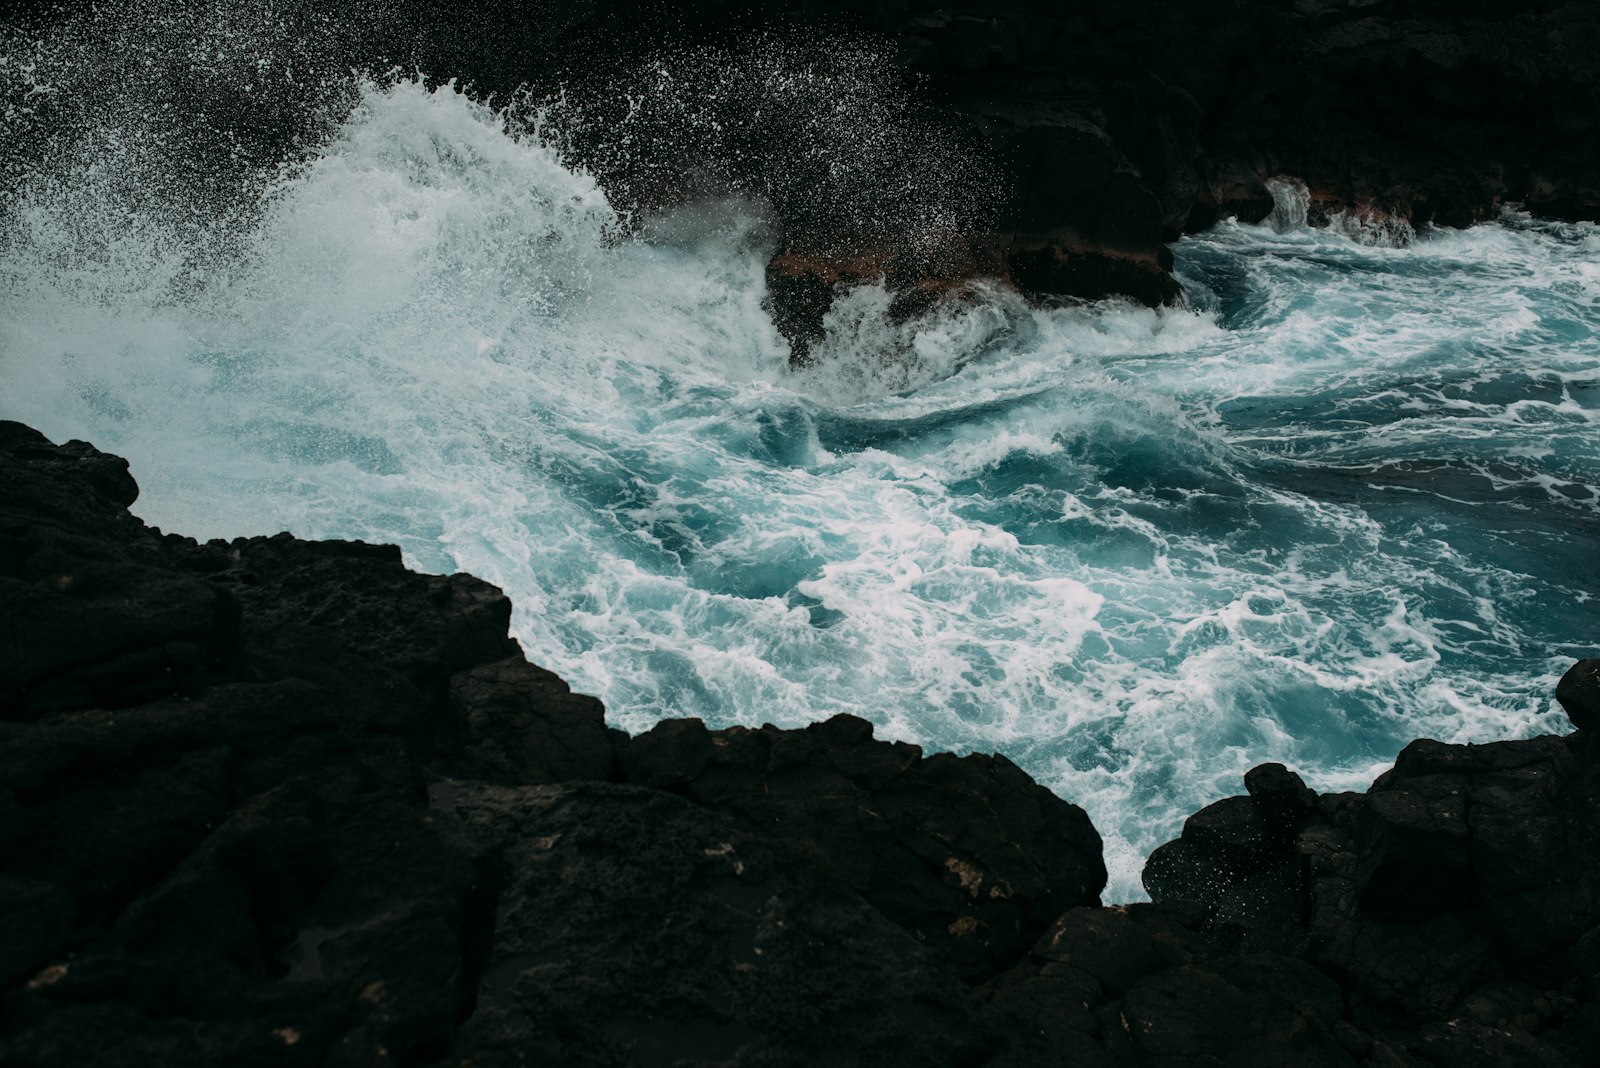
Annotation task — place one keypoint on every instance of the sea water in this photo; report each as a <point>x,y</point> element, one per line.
<point>1345,496</point>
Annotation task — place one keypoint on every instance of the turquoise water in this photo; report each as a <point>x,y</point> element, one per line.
<point>1346,497</point>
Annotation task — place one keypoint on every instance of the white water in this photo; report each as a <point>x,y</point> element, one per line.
<point>1348,499</point>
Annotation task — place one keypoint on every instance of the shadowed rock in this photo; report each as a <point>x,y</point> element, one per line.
<point>242,864</point>
<point>1114,128</point>
<point>354,826</point>
<point>1451,900</point>
<point>637,928</point>
<point>968,854</point>
<point>1579,694</point>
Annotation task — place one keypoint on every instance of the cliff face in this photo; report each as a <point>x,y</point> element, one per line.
<point>274,801</point>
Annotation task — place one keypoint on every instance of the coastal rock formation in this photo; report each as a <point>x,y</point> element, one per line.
<point>271,801</point>
<point>1456,900</point>
<point>278,801</point>
<point>1106,128</point>
<point>968,854</point>
<point>1116,127</point>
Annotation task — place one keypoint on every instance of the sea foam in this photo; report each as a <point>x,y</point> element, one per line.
<point>1345,498</point>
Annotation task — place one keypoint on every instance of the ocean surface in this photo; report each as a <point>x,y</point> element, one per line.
<point>1347,496</point>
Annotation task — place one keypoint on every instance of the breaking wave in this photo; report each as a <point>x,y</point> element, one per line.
<point>1347,497</point>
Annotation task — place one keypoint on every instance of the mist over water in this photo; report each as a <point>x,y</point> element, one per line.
<point>1347,497</point>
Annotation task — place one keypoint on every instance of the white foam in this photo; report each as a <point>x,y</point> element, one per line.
<point>1138,551</point>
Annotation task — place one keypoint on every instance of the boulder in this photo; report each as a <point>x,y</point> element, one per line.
<point>1579,694</point>
<point>1467,873</point>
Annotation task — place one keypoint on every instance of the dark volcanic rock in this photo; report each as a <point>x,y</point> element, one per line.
<point>239,862</point>
<point>1579,693</point>
<point>1466,873</point>
<point>1144,985</point>
<point>514,722</point>
<point>1114,127</point>
<point>344,822</point>
<point>968,854</point>
<point>35,918</point>
<point>1182,112</point>
<point>640,929</point>
<point>89,620</point>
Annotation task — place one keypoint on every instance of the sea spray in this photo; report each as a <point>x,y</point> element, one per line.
<point>1345,499</point>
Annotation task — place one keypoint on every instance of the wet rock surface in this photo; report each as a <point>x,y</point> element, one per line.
<point>1452,901</point>
<point>274,802</point>
<point>1115,126</point>
<point>1107,128</point>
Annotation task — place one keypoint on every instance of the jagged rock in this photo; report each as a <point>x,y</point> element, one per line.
<point>1144,985</point>
<point>246,868</point>
<point>241,857</point>
<point>1413,856</point>
<point>72,487</point>
<point>35,918</point>
<point>353,826</point>
<point>968,854</point>
<point>1266,1009</point>
<point>1464,865</point>
<point>1117,127</point>
<point>1282,798</point>
<point>515,722</point>
<point>1236,858</point>
<point>96,624</point>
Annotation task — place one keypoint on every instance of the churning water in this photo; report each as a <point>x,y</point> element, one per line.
<point>1345,498</point>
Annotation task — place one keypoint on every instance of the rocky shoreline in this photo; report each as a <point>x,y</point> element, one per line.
<point>1114,127</point>
<point>271,801</point>
<point>1107,129</point>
